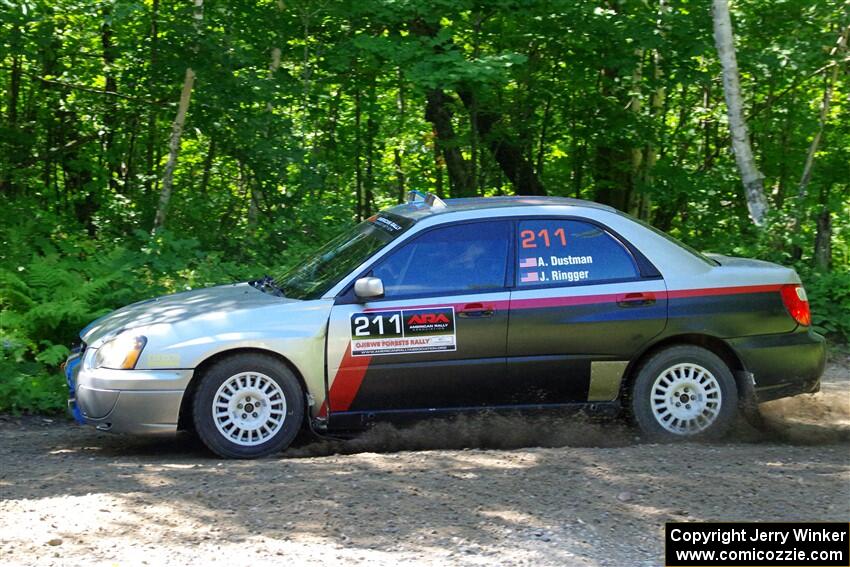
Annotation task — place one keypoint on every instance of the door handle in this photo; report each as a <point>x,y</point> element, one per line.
<point>636,299</point>
<point>476,310</point>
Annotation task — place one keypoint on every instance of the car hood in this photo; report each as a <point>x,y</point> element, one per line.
<point>168,309</point>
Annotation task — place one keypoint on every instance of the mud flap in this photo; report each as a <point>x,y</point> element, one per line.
<point>748,401</point>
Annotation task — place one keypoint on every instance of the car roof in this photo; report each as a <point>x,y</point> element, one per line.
<point>419,209</point>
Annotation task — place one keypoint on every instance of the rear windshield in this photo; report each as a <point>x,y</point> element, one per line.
<point>679,243</point>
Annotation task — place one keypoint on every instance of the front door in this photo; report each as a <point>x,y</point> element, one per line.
<point>580,311</point>
<point>437,339</point>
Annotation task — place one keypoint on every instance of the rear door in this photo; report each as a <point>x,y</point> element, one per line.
<point>437,339</point>
<point>581,309</point>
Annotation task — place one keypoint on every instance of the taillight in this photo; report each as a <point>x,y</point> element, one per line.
<point>797,304</point>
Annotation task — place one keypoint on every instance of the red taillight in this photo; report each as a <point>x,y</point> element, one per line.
<point>797,304</point>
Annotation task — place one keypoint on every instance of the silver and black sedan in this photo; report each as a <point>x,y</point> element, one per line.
<point>434,308</point>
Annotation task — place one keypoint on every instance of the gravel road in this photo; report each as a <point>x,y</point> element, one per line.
<point>496,491</point>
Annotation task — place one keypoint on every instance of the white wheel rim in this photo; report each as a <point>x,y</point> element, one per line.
<point>249,408</point>
<point>686,399</point>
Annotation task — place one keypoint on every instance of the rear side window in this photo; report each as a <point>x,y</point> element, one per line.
<point>567,252</point>
<point>454,259</point>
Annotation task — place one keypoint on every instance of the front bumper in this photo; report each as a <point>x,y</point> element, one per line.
<point>783,365</point>
<point>125,401</point>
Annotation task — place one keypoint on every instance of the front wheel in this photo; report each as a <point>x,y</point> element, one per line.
<point>248,406</point>
<point>684,392</point>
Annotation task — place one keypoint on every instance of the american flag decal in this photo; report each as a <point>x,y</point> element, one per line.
<point>529,277</point>
<point>528,263</point>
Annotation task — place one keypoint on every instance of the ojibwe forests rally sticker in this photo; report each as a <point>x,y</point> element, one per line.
<point>403,331</point>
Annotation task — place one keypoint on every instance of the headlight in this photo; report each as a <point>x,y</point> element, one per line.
<point>122,352</point>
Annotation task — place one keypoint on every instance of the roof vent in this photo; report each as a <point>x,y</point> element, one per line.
<point>428,199</point>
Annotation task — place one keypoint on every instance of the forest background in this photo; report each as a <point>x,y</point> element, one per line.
<point>153,146</point>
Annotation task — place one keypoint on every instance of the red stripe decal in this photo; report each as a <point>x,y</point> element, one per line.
<point>542,302</point>
<point>708,291</point>
<point>353,369</point>
<point>347,382</point>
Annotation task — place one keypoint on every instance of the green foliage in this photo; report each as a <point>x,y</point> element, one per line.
<point>829,297</point>
<point>50,288</point>
<point>30,387</point>
<point>306,117</point>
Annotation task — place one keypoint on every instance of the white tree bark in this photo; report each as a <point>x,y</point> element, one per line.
<point>751,177</point>
<point>174,149</point>
<point>177,130</point>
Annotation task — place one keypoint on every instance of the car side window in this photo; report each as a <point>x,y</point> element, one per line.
<point>460,258</point>
<point>567,252</point>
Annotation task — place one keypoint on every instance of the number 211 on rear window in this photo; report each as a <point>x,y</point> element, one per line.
<point>530,239</point>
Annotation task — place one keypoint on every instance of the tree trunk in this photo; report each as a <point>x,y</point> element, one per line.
<point>824,113</point>
<point>802,188</point>
<point>331,147</point>
<point>110,121</point>
<point>578,157</point>
<point>751,177</point>
<point>255,193</point>
<point>6,174</point>
<point>612,158</point>
<point>611,166</point>
<point>784,143</point>
<point>438,167</point>
<point>127,170</point>
<point>823,240</point>
<point>14,91</point>
<point>174,149</point>
<point>208,162</point>
<point>636,107</point>
<point>150,164</point>
<point>358,170</point>
<point>438,113</point>
<point>506,152</point>
<point>397,150</point>
<point>177,128</point>
<point>705,126</point>
<point>541,143</point>
<point>371,131</point>
<point>656,105</point>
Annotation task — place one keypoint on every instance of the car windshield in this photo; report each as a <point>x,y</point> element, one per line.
<point>313,276</point>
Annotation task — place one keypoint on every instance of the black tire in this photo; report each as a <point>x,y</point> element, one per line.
<point>660,362</point>
<point>223,371</point>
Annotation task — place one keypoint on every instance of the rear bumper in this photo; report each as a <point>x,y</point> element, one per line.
<point>783,365</point>
<point>126,401</point>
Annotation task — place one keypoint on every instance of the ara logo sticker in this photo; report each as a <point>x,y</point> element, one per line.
<point>403,331</point>
<point>428,319</point>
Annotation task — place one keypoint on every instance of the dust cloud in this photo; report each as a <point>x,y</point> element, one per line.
<point>809,419</point>
<point>489,431</point>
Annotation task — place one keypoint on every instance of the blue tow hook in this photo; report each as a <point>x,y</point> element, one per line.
<point>72,398</point>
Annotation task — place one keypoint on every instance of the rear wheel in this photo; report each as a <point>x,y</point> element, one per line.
<point>684,392</point>
<point>248,406</point>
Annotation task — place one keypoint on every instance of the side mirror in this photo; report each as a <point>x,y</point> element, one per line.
<point>369,288</point>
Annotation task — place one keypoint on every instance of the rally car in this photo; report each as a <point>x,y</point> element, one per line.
<point>435,308</point>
